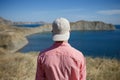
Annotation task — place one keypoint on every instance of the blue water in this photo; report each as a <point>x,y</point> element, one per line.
<point>91,43</point>
<point>29,25</point>
<point>117,26</point>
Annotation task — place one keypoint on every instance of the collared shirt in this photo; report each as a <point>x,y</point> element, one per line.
<point>61,62</point>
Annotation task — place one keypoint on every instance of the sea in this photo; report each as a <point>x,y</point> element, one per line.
<point>105,44</point>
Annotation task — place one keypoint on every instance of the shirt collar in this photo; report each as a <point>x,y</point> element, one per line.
<point>57,44</point>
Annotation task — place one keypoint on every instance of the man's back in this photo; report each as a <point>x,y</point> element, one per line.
<point>61,62</point>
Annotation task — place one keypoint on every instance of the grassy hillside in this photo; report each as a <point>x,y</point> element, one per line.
<point>23,67</point>
<point>103,69</point>
<point>17,66</point>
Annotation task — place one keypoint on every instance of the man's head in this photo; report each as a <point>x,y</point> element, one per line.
<point>61,29</point>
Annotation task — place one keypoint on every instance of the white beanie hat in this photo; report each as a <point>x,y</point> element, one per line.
<point>61,29</point>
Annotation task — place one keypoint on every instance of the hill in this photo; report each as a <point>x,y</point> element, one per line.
<point>83,25</point>
<point>91,25</point>
<point>4,21</point>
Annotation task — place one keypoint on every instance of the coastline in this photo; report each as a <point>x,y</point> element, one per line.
<point>20,33</point>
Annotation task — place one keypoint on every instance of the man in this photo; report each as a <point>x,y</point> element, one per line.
<point>61,61</point>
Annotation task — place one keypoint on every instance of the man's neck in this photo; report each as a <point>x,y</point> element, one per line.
<point>60,41</point>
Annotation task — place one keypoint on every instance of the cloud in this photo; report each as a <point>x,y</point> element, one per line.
<point>109,12</point>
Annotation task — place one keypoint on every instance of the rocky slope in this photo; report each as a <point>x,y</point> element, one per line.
<point>11,42</point>
<point>11,38</point>
<point>83,25</point>
<point>95,25</point>
<point>4,21</point>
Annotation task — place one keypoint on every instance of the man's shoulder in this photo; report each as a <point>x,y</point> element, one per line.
<point>76,52</point>
<point>47,51</point>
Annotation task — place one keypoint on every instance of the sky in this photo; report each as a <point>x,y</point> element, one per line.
<point>107,11</point>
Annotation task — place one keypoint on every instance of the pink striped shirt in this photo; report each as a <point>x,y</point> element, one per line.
<point>61,62</point>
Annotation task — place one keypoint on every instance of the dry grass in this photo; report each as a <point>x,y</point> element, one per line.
<point>18,66</point>
<point>103,69</point>
<point>23,67</point>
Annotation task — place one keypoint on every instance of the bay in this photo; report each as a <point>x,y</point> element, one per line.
<point>91,43</point>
